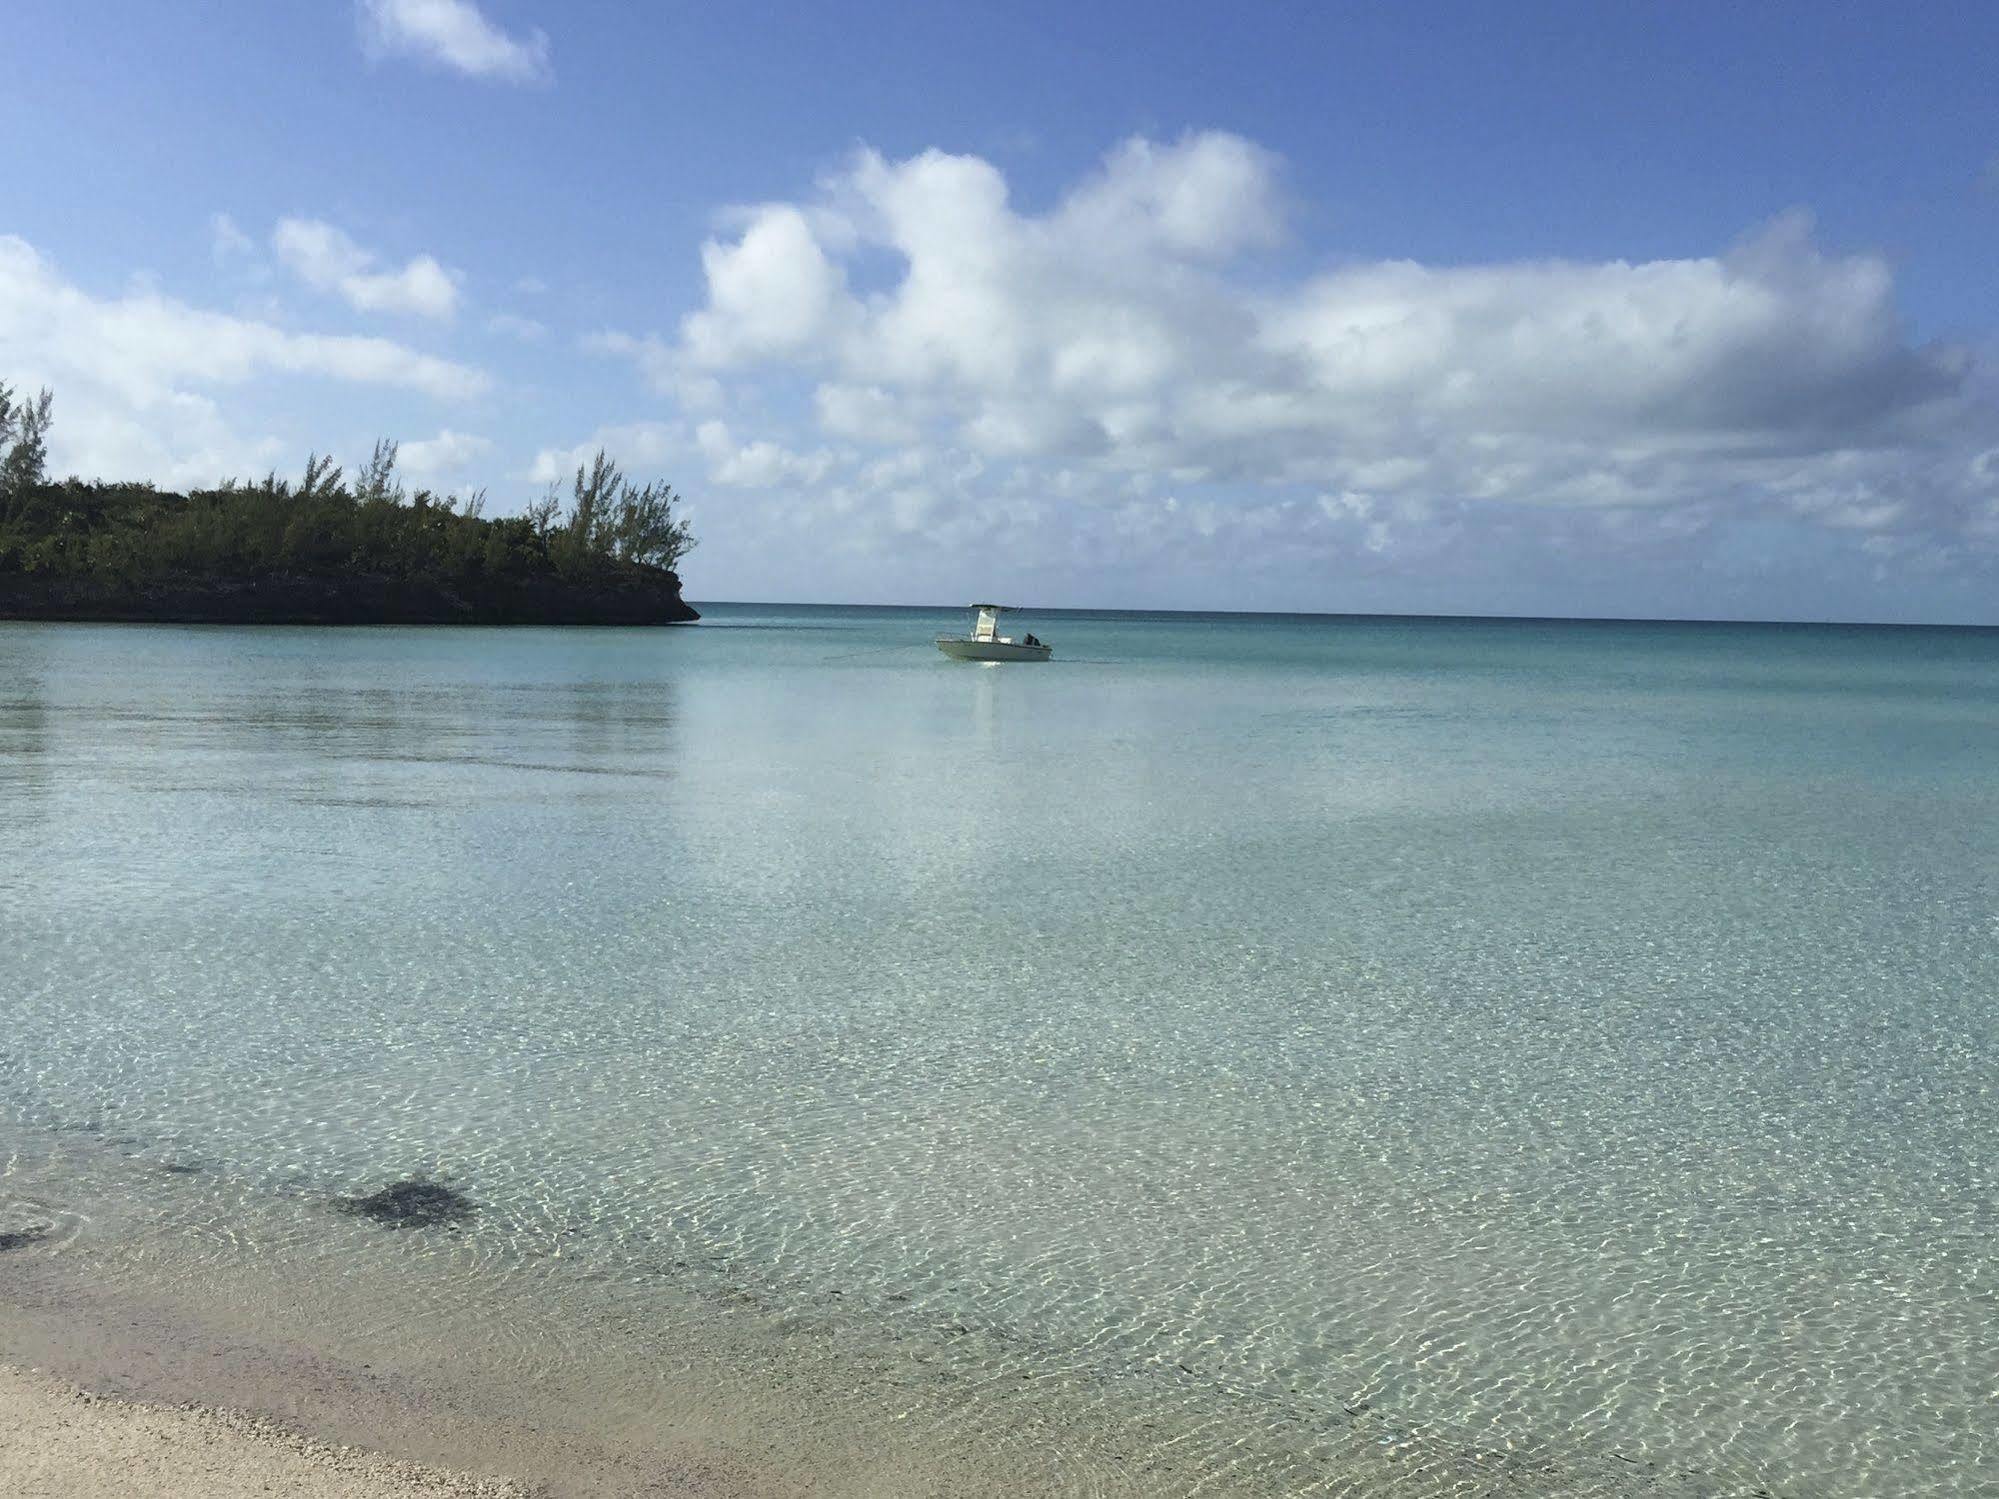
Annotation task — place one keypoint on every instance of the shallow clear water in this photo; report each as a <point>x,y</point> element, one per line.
<point>1574,1037</point>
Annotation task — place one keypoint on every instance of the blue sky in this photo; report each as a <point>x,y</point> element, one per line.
<point>1566,309</point>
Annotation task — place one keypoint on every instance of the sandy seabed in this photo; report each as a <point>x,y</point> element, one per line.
<point>234,1341</point>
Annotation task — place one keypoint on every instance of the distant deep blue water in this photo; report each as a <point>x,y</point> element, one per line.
<point>1575,1034</point>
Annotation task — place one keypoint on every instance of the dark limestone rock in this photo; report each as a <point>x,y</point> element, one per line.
<point>627,593</point>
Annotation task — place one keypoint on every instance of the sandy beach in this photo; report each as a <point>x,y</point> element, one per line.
<point>103,1392</point>
<point>59,1441</point>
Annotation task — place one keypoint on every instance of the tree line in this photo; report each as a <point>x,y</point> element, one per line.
<point>129,534</point>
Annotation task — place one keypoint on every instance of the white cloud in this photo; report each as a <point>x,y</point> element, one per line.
<point>326,259</point>
<point>512,325</point>
<point>665,368</point>
<point>227,240</point>
<point>1772,343</point>
<point>453,34</point>
<point>432,458</point>
<point>866,413</point>
<point>143,343</point>
<point>1207,197</point>
<point>635,446</point>
<point>1118,342</point>
<point>182,440</point>
<point>760,464</point>
<point>133,373</point>
<point>772,293</point>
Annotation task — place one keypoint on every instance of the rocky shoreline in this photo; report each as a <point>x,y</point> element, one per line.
<point>628,595</point>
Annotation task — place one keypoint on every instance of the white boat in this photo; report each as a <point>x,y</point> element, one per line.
<point>985,643</point>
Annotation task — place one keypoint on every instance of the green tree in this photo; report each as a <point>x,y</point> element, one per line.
<point>592,496</point>
<point>322,477</point>
<point>541,514</point>
<point>24,433</point>
<point>376,483</point>
<point>645,529</point>
<point>610,517</point>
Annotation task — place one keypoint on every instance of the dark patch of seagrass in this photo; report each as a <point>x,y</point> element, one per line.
<point>414,1202</point>
<point>21,1238</point>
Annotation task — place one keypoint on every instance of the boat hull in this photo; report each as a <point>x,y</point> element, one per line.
<point>959,649</point>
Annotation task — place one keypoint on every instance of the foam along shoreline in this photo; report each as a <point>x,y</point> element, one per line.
<point>58,1440</point>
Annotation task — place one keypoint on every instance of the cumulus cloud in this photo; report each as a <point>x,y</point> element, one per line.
<point>430,459</point>
<point>134,373</point>
<point>758,464</point>
<point>327,260</point>
<point>453,34</point>
<point>774,292</point>
<point>1207,197</point>
<point>1135,359</point>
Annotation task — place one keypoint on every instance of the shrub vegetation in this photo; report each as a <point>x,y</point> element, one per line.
<point>126,536</point>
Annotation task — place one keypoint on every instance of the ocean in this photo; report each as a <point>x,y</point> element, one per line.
<point>1329,1054</point>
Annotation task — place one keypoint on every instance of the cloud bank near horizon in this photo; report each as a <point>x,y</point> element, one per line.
<point>1130,370</point>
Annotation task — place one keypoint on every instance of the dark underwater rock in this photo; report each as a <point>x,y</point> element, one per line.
<point>414,1202</point>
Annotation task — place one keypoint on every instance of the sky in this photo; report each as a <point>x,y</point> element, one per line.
<point>1680,310</point>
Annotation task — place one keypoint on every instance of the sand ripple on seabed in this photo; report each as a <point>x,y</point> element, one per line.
<point>1052,1423</point>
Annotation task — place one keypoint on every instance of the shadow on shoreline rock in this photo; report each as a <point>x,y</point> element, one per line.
<point>414,1202</point>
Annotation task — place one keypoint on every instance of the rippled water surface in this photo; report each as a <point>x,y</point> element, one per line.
<point>1567,1038</point>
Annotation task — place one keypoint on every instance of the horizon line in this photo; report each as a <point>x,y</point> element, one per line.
<point>1368,614</point>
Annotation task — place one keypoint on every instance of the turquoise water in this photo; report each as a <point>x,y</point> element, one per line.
<point>1578,1037</point>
